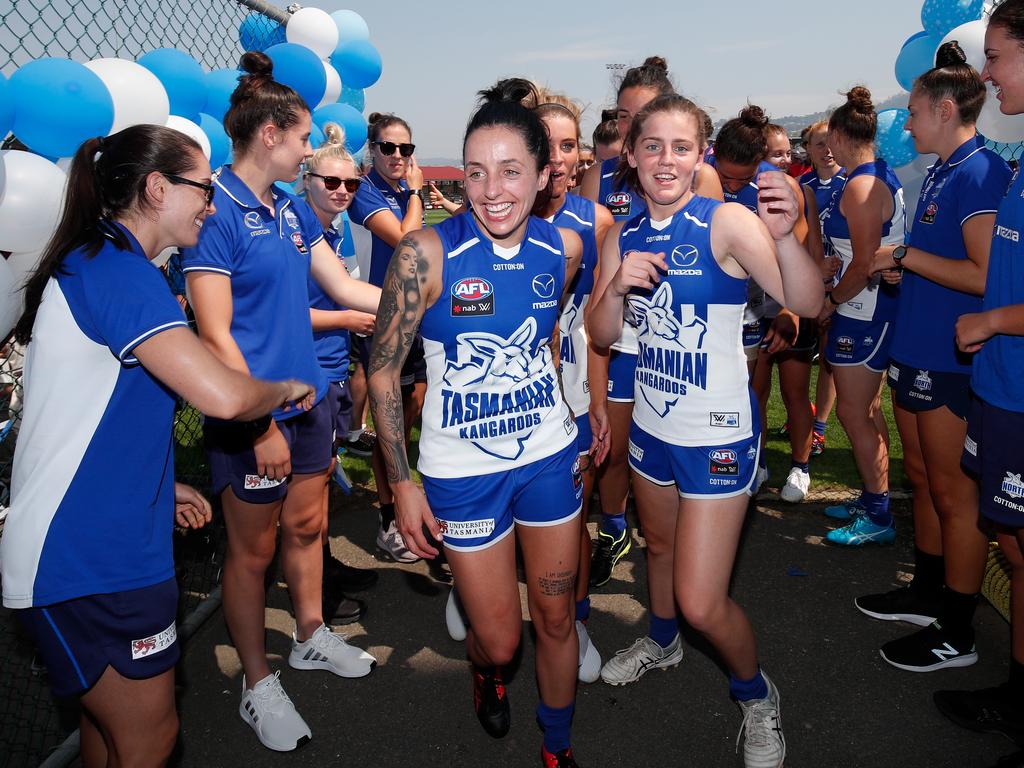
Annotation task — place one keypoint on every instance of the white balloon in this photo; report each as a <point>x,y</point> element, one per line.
<point>191,130</point>
<point>24,264</point>
<point>994,125</point>
<point>64,163</point>
<point>30,201</point>
<point>139,97</point>
<point>922,163</point>
<point>971,39</point>
<point>3,177</point>
<point>333,91</point>
<point>314,29</point>
<point>11,301</point>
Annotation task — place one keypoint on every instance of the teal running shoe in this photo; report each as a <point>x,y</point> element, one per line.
<point>862,531</point>
<point>846,510</point>
<point>340,476</point>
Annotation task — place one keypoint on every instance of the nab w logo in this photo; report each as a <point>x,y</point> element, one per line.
<point>685,256</point>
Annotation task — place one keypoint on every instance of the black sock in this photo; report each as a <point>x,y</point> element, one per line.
<point>387,515</point>
<point>929,572</point>
<point>958,616</point>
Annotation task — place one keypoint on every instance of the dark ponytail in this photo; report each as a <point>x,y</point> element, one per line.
<point>1009,15</point>
<point>107,180</point>
<point>503,105</point>
<point>378,121</point>
<point>653,74</point>
<point>742,140</point>
<point>856,119</point>
<point>258,100</point>
<point>953,78</point>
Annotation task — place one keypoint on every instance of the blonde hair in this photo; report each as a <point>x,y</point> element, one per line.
<point>333,148</point>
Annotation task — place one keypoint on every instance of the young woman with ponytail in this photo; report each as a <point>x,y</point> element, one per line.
<point>86,554</point>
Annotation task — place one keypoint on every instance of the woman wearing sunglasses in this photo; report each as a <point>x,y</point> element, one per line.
<point>247,278</point>
<point>331,181</point>
<point>86,556</point>
<point>388,205</point>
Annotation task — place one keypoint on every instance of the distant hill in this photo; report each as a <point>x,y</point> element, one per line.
<point>796,123</point>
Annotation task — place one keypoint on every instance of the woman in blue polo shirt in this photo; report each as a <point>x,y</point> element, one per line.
<point>86,557</point>
<point>945,263</point>
<point>247,278</point>
<point>388,205</point>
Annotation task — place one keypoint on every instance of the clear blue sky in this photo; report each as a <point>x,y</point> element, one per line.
<point>789,56</point>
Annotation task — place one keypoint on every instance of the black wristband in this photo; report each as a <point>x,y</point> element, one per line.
<point>831,299</point>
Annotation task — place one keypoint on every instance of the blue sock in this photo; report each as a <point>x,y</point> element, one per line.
<point>583,609</point>
<point>877,506</point>
<point>663,631</point>
<point>805,466</point>
<point>613,525</point>
<point>556,722</point>
<point>746,690</point>
<point>819,427</point>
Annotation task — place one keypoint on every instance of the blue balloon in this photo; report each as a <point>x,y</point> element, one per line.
<point>257,32</point>
<point>940,16</point>
<point>916,58</point>
<point>354,97</point>
<point>894,143</point>
<point>58,104</point>
<point>358,63</point>
<point>912,38</point>
<point>220,143</point>
<point>349,118</point>
<point>351,26</point>
<point>220,84</point>
<point>316,136</point>
<point>6,107</point>
<point>299,68</point>
<point>182,78</point>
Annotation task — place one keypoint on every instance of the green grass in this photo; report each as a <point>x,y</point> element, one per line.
<point>436,215</point>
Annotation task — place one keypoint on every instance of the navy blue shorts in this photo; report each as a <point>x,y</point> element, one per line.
<point>859,342</point>
<point>132,631</point>
<point>621,376</point>
<point>414,370</point>
<point>310,437</point>
<point>754,333</point>
<point>916,390</point>
<point>339,403</point>
<point>584,434</point>
<point>477,512</point>
<point>992,454</point>
<point>698,472</point>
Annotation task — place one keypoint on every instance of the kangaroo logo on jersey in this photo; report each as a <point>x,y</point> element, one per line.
<point>497,391</point>
<point>1013,486</point>
<point>669,360</point>
<point>291,219</point>
<point>923,381</point>
<point>472,297</point>
<point>683,258</point>
<point>566,326</point>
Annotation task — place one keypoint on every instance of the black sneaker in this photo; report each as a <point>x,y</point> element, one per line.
<point>607,552</point>
<point>561,759</point>
<point>490,701</point>
<point>927,650</point>
<point>342,610</point>
<point>347,578</point>
<point>362,445</point>
<point>990,710</point>
<point>903,604</point>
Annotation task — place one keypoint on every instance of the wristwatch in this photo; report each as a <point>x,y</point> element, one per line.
<point>416,193</point>
<point>898,254</point>
<point>833,301</point>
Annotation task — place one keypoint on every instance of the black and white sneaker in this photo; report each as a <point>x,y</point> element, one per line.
<point>989,710</point>
<point>903,604</point>
<point>927,650</point>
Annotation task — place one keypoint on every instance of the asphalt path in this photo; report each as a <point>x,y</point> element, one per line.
<point>842,705</point>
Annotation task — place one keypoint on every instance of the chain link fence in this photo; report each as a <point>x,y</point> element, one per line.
<point>32,723</point>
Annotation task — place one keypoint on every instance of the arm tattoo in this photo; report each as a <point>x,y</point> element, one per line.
<point>398,317</point>
<point>555,583</point>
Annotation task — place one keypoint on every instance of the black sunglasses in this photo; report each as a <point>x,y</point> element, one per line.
<point>388,148</point>
<point>207,188</point>
<point>331,183</point>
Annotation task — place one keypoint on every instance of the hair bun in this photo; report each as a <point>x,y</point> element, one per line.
<point>950,55</point>
<point>860,98</point>
<point>511,90</point>
<point>375,117</point>
<point>656,62</point>
<point>753,116</point>
<point>608,114</point>
<point>334,134</point>
<point>257,64</point>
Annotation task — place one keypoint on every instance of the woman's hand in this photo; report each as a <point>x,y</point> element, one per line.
<point>601,441</point>
<point>300,395</point>
<point>414,174</point>
<point>273,459</point>
<point>883,259</point>
<point>639,269</point>
<point>191,509</point>
<point>782,333</point>
<point>777,204</point>
<point>972,331</point>
<point>412,513</point>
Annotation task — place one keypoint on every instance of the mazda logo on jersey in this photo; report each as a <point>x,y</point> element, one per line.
<point>252,220</point>
<point>685,255</point>
<point>544,286</point>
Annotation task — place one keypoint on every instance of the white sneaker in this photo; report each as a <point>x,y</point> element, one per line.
<point>590,659</point>
<point>759,480</point>
<point>764,746</point>
<point>268,711</point>
<point>455,617</point>
<point>390,542</point>
<point>328,650</point>
<point>797,484</point>
<point>630,664</point>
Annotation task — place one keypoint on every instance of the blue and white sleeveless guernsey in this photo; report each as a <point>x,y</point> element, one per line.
<point>691,374</point>
<point>622,202</point>
<point>970,183</point>
<point>492,401</point>
<point>578,214</point>
<point>823,190</point>
<point>375,195</point>
<point>877,301</point>
<point>332,347</point>
<point>92,494</point>
<point>267,255</point>
<point>998,373</point>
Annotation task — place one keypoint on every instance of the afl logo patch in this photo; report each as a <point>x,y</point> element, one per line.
<point>685,255</point>
<point>845,344</point>
<point>544,286</point>
<point>928,217</point>
<point>252,220</point>
<point>299,244</point>
<point>472,297</point>
<point>618,203</point>
<point>723,462</point>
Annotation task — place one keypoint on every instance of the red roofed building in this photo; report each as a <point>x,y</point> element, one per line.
<point>448,180</point>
